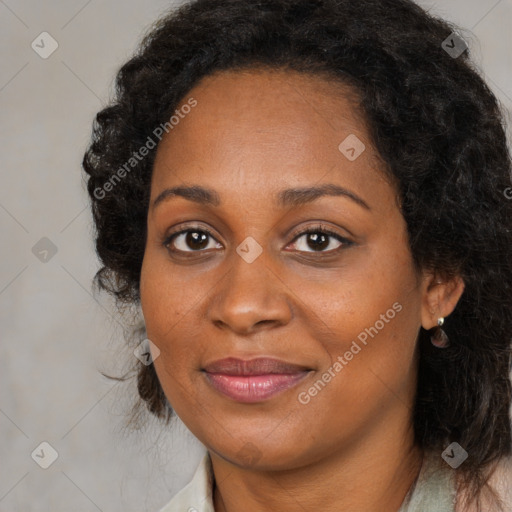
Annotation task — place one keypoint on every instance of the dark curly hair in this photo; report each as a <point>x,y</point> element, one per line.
<point>436,125</point>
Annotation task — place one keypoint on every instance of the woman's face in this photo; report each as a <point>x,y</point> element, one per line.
<point>345,308</point>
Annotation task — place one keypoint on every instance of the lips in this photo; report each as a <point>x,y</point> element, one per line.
<point>255,380</point>
<point>260,366</point>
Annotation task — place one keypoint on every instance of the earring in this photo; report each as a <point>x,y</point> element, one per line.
<point>439,338</point>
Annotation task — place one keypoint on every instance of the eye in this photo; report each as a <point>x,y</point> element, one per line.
<point>191,240</point>
<point>199,239</point>
<point>320,239</point>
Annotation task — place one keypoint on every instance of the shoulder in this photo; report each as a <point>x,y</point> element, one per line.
<point>500,481</point>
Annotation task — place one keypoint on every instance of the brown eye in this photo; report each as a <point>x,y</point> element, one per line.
<point>319,240</point>
<point>191,240</point>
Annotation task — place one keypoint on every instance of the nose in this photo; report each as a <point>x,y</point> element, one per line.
<point>250,297</point>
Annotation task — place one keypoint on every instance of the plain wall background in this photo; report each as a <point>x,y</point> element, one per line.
<point>54,335</point>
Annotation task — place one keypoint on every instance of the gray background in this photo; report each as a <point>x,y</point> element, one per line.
<point>54,335</point>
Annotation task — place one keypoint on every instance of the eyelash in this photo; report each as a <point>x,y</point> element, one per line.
<point>319,229</point>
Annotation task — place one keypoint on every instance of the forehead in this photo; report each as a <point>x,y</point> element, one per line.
<point>263,129</point>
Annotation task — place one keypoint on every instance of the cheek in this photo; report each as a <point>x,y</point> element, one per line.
<point>371,314</point>
<point>369,367</point>
<point>374,295</point>
<point>368,330</point>
<point>162,307</point>
<point>170,309</point>
<point>165,299</point>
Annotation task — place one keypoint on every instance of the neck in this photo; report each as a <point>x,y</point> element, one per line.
<point>367,478</point>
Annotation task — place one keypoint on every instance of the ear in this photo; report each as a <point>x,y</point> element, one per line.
<point>440,296</point>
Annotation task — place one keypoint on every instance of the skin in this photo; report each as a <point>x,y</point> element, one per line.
<point>351,447</point>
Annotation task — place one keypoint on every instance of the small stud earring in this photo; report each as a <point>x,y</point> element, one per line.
<point>439,338</point>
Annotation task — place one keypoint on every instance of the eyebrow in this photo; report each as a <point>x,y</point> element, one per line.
<point>291,197</point>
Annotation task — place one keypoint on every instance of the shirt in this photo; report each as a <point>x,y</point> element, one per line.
<point>434,490</point>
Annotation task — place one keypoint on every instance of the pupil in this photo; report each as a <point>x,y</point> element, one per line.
<point>196,240</point>
<point>319,241</point>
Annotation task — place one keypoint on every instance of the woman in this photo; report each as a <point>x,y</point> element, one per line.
<point>307,201</point>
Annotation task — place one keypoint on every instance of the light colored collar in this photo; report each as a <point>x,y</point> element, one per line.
<point>434,489</point>
<point>196,496</point>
